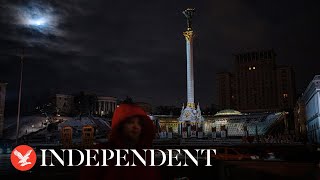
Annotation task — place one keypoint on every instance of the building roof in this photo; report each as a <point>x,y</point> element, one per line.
<point>64,95</point>
<point>228,112</point>
<point>107,98</point>
<point>312,88</point>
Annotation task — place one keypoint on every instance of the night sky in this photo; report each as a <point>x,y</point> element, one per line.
<point>136,48</point>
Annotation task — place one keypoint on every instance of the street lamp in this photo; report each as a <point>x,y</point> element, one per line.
<point>36,24</point>
<point>19,102</point>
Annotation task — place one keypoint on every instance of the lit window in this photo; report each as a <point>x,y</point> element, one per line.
<point>285,95</point>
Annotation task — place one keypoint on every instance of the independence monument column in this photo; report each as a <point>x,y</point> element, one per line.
<point>189,47</point>
<point>190,118</point>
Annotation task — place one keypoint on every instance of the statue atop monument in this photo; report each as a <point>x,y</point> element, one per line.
<point>189,13</point>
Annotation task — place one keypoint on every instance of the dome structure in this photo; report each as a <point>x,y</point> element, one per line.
<point>228,112</point>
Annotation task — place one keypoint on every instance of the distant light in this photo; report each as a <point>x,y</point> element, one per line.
<point>249,68</point>
<point>253,67</point>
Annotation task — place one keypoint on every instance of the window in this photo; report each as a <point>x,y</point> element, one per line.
<point>285,95</point>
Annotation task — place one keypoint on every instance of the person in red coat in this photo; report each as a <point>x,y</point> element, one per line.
<point>131,129</point>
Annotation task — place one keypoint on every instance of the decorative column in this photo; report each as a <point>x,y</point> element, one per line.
<point>105,107</point>
<point>190,77</point>
<point>190,117</point>
<point>99,106</point>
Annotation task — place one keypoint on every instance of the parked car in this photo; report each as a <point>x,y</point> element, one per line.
<point>228,153</point>
<point>271,156</point>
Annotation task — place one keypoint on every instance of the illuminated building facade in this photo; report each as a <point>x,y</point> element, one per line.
<point>105,105</point>
<point>311,98</point>
<point>235,123</point>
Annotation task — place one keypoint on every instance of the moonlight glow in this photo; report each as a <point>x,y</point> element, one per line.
<point>39,17</point>
<point>37,22</point>
<point>35,18</point>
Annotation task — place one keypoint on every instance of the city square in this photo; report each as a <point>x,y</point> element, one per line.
<point>64,82</point>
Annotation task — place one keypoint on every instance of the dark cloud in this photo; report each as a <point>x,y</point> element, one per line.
<point>136,48</point>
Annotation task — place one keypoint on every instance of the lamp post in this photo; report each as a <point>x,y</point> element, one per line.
<point>34,23</point>
<point>19,102</point>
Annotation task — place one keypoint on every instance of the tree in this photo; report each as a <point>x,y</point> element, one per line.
<point>128,100</point>
<point>168,110</point>
<point>84,103</point>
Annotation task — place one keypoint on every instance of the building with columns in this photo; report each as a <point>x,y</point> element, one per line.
<point>105,105</point>
<point>311,98</point>
<point>3,87</point>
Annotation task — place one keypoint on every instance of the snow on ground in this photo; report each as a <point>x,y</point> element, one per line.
<point>77,123</point>
<point>38,124</point>
<point>28,124</point>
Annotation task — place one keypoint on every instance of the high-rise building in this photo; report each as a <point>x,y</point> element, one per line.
<point>257,84</point>
<point>286,87</point>
<point>3,87</point>
<point>225,90</point>
<point>311,98</point>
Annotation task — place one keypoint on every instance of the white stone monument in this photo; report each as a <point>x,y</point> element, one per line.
<point>190,114</point>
